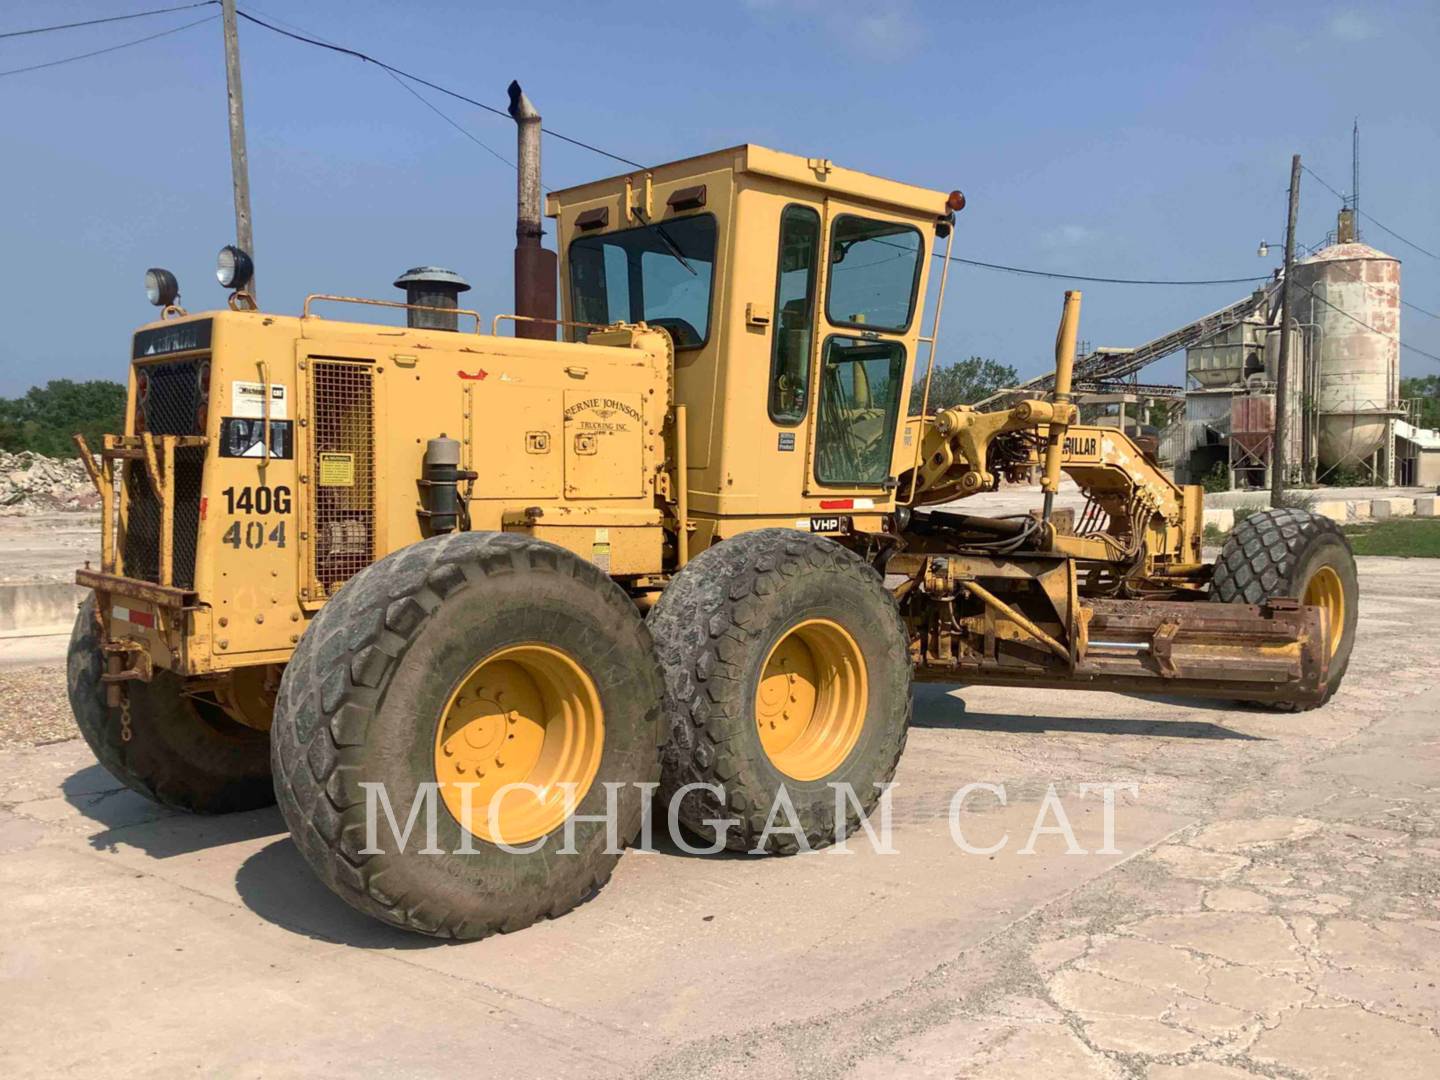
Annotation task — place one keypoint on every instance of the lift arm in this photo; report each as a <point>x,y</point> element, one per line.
<point>1147,516</point>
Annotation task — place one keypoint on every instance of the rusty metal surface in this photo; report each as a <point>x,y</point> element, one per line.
<point>161,595</point>
<point>536,271</point>
<point>1273,652</point>
<point>135,662</point>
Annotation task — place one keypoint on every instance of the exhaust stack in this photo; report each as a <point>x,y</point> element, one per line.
<point>432,287</point>
<point>535,267</point>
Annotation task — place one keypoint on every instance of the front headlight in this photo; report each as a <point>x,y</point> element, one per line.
<point>161,287</point>
<point>233,268</point>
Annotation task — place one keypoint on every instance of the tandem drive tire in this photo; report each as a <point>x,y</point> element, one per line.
<point>786,664</point>
<point>183,752</point>
<point>1294,553</point>
<point>483,659</point>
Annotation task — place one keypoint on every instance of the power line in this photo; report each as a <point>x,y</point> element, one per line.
<point>110,49</point>
<point>365,57</point>
<point>401,76</point>
<point>110,19</point>
<point>413,93</point>
<point>1397,236</point>
<point>1102,280</point>
<point>1420,309</point>
<point>1379,225</point>
<point>1367,326</point>
<point>1321,181</point>
<point>449,120</point>
<point>1068,277</point>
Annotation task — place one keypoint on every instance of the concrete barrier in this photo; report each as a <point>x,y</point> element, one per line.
<point>27,605</point>
<point>1392,508</point>
<point>1337,510</point>
<point>1230,500</point>
<point>1221,517</point>
<point>1427,506</point>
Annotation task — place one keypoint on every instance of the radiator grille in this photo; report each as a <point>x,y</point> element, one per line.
<point>343,469</point>
<point>171,400</point>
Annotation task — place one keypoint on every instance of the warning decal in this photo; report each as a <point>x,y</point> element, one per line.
<point>336,469</point>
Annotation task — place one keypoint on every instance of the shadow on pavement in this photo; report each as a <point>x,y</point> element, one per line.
<point>662,843</point>
<point>131,819</point>
<point>278,885</point>
<point>936,708</point>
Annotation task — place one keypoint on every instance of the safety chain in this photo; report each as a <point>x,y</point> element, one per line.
<point>125,732</point>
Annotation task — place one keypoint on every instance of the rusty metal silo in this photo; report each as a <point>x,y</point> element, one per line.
<point>1349,295</point>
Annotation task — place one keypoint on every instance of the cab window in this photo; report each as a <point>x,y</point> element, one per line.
<point>860,388</point>
<point>874,273</point>
<point>658,274</point>
<point>794,314</point>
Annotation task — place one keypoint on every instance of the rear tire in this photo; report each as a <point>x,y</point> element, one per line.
<point>1294,553</point>
<point>721,628</point>
<point>183,752</point>
<point>370,692</point>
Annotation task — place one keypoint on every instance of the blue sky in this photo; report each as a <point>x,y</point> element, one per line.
<point>1134,140</point>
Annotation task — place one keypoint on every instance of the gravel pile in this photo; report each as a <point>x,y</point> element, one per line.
<point>34,483</point>
<point>33,707</point>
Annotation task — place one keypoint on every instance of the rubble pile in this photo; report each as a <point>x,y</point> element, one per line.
<point>34,483</point>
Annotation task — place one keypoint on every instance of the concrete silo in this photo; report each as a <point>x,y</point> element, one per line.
<point>1348,296</point>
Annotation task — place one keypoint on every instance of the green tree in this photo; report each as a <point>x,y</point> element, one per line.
<point>963,383</point>
<point>1426,390</point>
<point>45,418</point>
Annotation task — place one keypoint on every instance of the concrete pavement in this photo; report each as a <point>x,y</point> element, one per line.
<point>1271,910</point>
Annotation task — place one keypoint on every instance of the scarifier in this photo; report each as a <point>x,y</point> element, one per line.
<point>706,540</point>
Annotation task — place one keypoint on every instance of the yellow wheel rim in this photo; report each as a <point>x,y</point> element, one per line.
<point>527,715</point>
<point>1325,591</point>
<point>810,705</point>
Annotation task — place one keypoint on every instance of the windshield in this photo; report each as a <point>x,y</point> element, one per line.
<point>658,274</point>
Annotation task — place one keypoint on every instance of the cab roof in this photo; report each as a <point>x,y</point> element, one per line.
<point>819,173</point>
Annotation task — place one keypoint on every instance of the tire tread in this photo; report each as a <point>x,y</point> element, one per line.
<point>331,689</point>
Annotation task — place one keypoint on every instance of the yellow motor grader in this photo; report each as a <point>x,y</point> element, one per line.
<point>706,541</point>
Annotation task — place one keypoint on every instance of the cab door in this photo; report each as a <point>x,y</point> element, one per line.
<point>872,279</point>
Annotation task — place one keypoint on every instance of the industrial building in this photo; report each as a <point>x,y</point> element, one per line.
<point>1346,422</point>
<point>1343,381</point>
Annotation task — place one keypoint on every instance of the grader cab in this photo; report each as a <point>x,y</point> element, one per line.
<point>706,540</point>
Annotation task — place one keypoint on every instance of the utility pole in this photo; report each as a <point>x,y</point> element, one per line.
<point>1282,375</point>
<point>239,164</point>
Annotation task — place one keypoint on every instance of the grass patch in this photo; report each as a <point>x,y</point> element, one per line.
<point>1416,538</point>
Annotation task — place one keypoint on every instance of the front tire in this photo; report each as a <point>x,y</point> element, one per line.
<point>1299,554</point>
<point>468,658</point>
<point>786,665</point>
<point>183,752</point>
